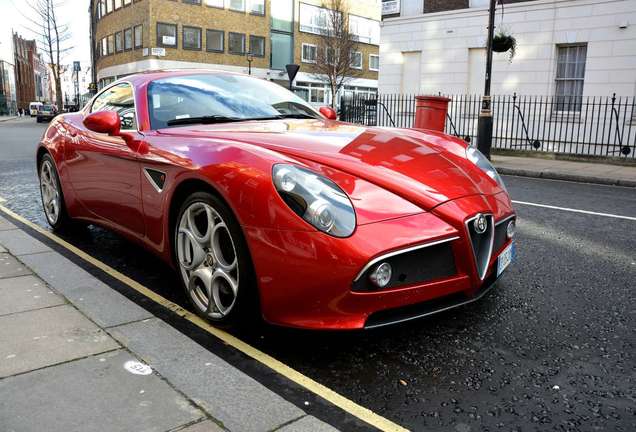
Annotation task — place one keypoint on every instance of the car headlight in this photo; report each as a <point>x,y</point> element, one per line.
<point>316,199</point>
<point>477,157</point>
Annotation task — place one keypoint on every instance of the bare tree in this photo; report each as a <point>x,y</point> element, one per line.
<point>335,47</point>
<point>52,37</point>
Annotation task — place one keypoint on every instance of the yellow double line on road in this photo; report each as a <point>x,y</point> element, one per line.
<point>326,393</point>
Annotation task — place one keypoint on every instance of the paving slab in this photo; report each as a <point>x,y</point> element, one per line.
<point>307,424</point>
<point>238,401</point>
<point>94,394</point>
<point>97,300</point>
<point>44,337</point>
<point>11,267</point>
<point>5,224</point>
<point>205,426</point>
<point>20,243</point>
<point>25,293</point>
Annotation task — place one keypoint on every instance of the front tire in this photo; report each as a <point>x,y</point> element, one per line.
<point>214,262</point>
<point>51,194</point>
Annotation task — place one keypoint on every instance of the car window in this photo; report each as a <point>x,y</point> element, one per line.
<point>118,98</point>
<point>224,95</point>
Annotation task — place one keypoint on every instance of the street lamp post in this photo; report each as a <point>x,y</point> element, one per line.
<point>484,127</point>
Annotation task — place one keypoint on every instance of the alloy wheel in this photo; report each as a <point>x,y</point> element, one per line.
<point>50,192</point>
<point>208,260</point>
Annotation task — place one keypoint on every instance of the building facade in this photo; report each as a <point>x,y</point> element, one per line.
<point>249,36</point>
<point>574,48</point>
<point>25,52</point>
<point>8,102</point>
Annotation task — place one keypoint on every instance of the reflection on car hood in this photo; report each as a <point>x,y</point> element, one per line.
<point>425,167</point>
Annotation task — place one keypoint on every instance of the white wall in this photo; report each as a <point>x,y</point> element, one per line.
<point>445,39</point>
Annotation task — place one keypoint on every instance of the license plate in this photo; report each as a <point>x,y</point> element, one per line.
<point>505,258</point>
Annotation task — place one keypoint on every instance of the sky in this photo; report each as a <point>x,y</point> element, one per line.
<point>71,12</point>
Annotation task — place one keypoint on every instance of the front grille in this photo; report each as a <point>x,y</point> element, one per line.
<point>481,243</point>
<point>414,266</point>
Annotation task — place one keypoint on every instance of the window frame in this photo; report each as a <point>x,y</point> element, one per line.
<point>229,43</point>
<point>222,6</point>
<point>371,68</point>
<point>132,38</point>
<point>176,35</point>
<point>134,98</point>
<point>121,4</point>
<point>351,54</point>
<point>111,47</point>
<point>111,9</point>
<point>576,109</point>
<point>264,45</point>
<point>252,11</point>
<point>228,5</point>
<point>141,39</point>
<point>222,32</point>
<point>183,39</point>
<point>121,42</point>
<point>303,59</point>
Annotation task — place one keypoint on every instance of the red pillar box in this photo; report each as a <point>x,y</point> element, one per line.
<point>430,112</point>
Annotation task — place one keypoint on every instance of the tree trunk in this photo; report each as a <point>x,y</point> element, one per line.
<point>58,92</point>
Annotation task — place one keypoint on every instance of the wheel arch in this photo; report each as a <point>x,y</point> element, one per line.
<point>180,193</point>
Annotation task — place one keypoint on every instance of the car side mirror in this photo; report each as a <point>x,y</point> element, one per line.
<point>107,122</point>
<point>328,113</point>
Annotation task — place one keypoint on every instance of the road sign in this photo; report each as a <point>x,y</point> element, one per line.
<point>159,52</point>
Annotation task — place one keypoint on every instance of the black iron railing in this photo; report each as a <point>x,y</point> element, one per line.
<point>592,126</point>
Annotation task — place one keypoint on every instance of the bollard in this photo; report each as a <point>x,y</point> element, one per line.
<point>430,112</point>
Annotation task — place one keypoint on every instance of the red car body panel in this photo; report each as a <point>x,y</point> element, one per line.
<point>408,187</point>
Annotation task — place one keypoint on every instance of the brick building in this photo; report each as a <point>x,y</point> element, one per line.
<point>25,54</point>
<point>235,35</point>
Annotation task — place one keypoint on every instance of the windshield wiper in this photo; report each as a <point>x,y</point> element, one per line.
<point>297,116</point>
<point>203,120</point>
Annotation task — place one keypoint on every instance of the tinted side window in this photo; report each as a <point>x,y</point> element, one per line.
<point>118,98</point>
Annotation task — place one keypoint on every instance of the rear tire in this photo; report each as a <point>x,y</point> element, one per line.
<point>213,261</point>
<point>51,194</point>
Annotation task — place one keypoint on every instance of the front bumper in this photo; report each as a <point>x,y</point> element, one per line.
<point>306,279</point>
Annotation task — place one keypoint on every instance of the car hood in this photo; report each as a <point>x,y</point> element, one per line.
<point>424,167</point>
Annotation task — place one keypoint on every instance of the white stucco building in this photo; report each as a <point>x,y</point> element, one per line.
<point>565,47</point>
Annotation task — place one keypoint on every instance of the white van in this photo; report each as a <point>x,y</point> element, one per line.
<point>34,107</point>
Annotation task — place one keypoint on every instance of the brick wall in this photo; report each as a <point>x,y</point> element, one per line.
<point>149,12</point>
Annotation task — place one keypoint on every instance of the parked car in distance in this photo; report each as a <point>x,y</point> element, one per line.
<point>265,205</point>
<point>46,113</point>
<point>34,107</point>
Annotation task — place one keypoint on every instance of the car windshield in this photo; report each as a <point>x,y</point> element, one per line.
<point>217,98</point>
<point>46,107</point>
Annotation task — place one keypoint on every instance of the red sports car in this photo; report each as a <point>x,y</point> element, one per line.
<point>265,205</point>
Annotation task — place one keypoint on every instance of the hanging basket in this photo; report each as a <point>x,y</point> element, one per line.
<point>502,43</point>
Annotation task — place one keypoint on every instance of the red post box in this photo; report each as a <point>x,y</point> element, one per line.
<point>430,112</point>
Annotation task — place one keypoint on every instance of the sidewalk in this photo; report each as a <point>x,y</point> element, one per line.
<point>7,118</point>
<point>76,355</point>
<point>589,172</point>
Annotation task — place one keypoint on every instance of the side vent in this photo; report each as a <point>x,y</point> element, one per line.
<point>156,178</point>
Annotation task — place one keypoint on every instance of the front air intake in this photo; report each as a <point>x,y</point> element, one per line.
<point>481,231</point>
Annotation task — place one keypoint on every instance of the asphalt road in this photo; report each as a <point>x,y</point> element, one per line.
<point>552,347</point>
